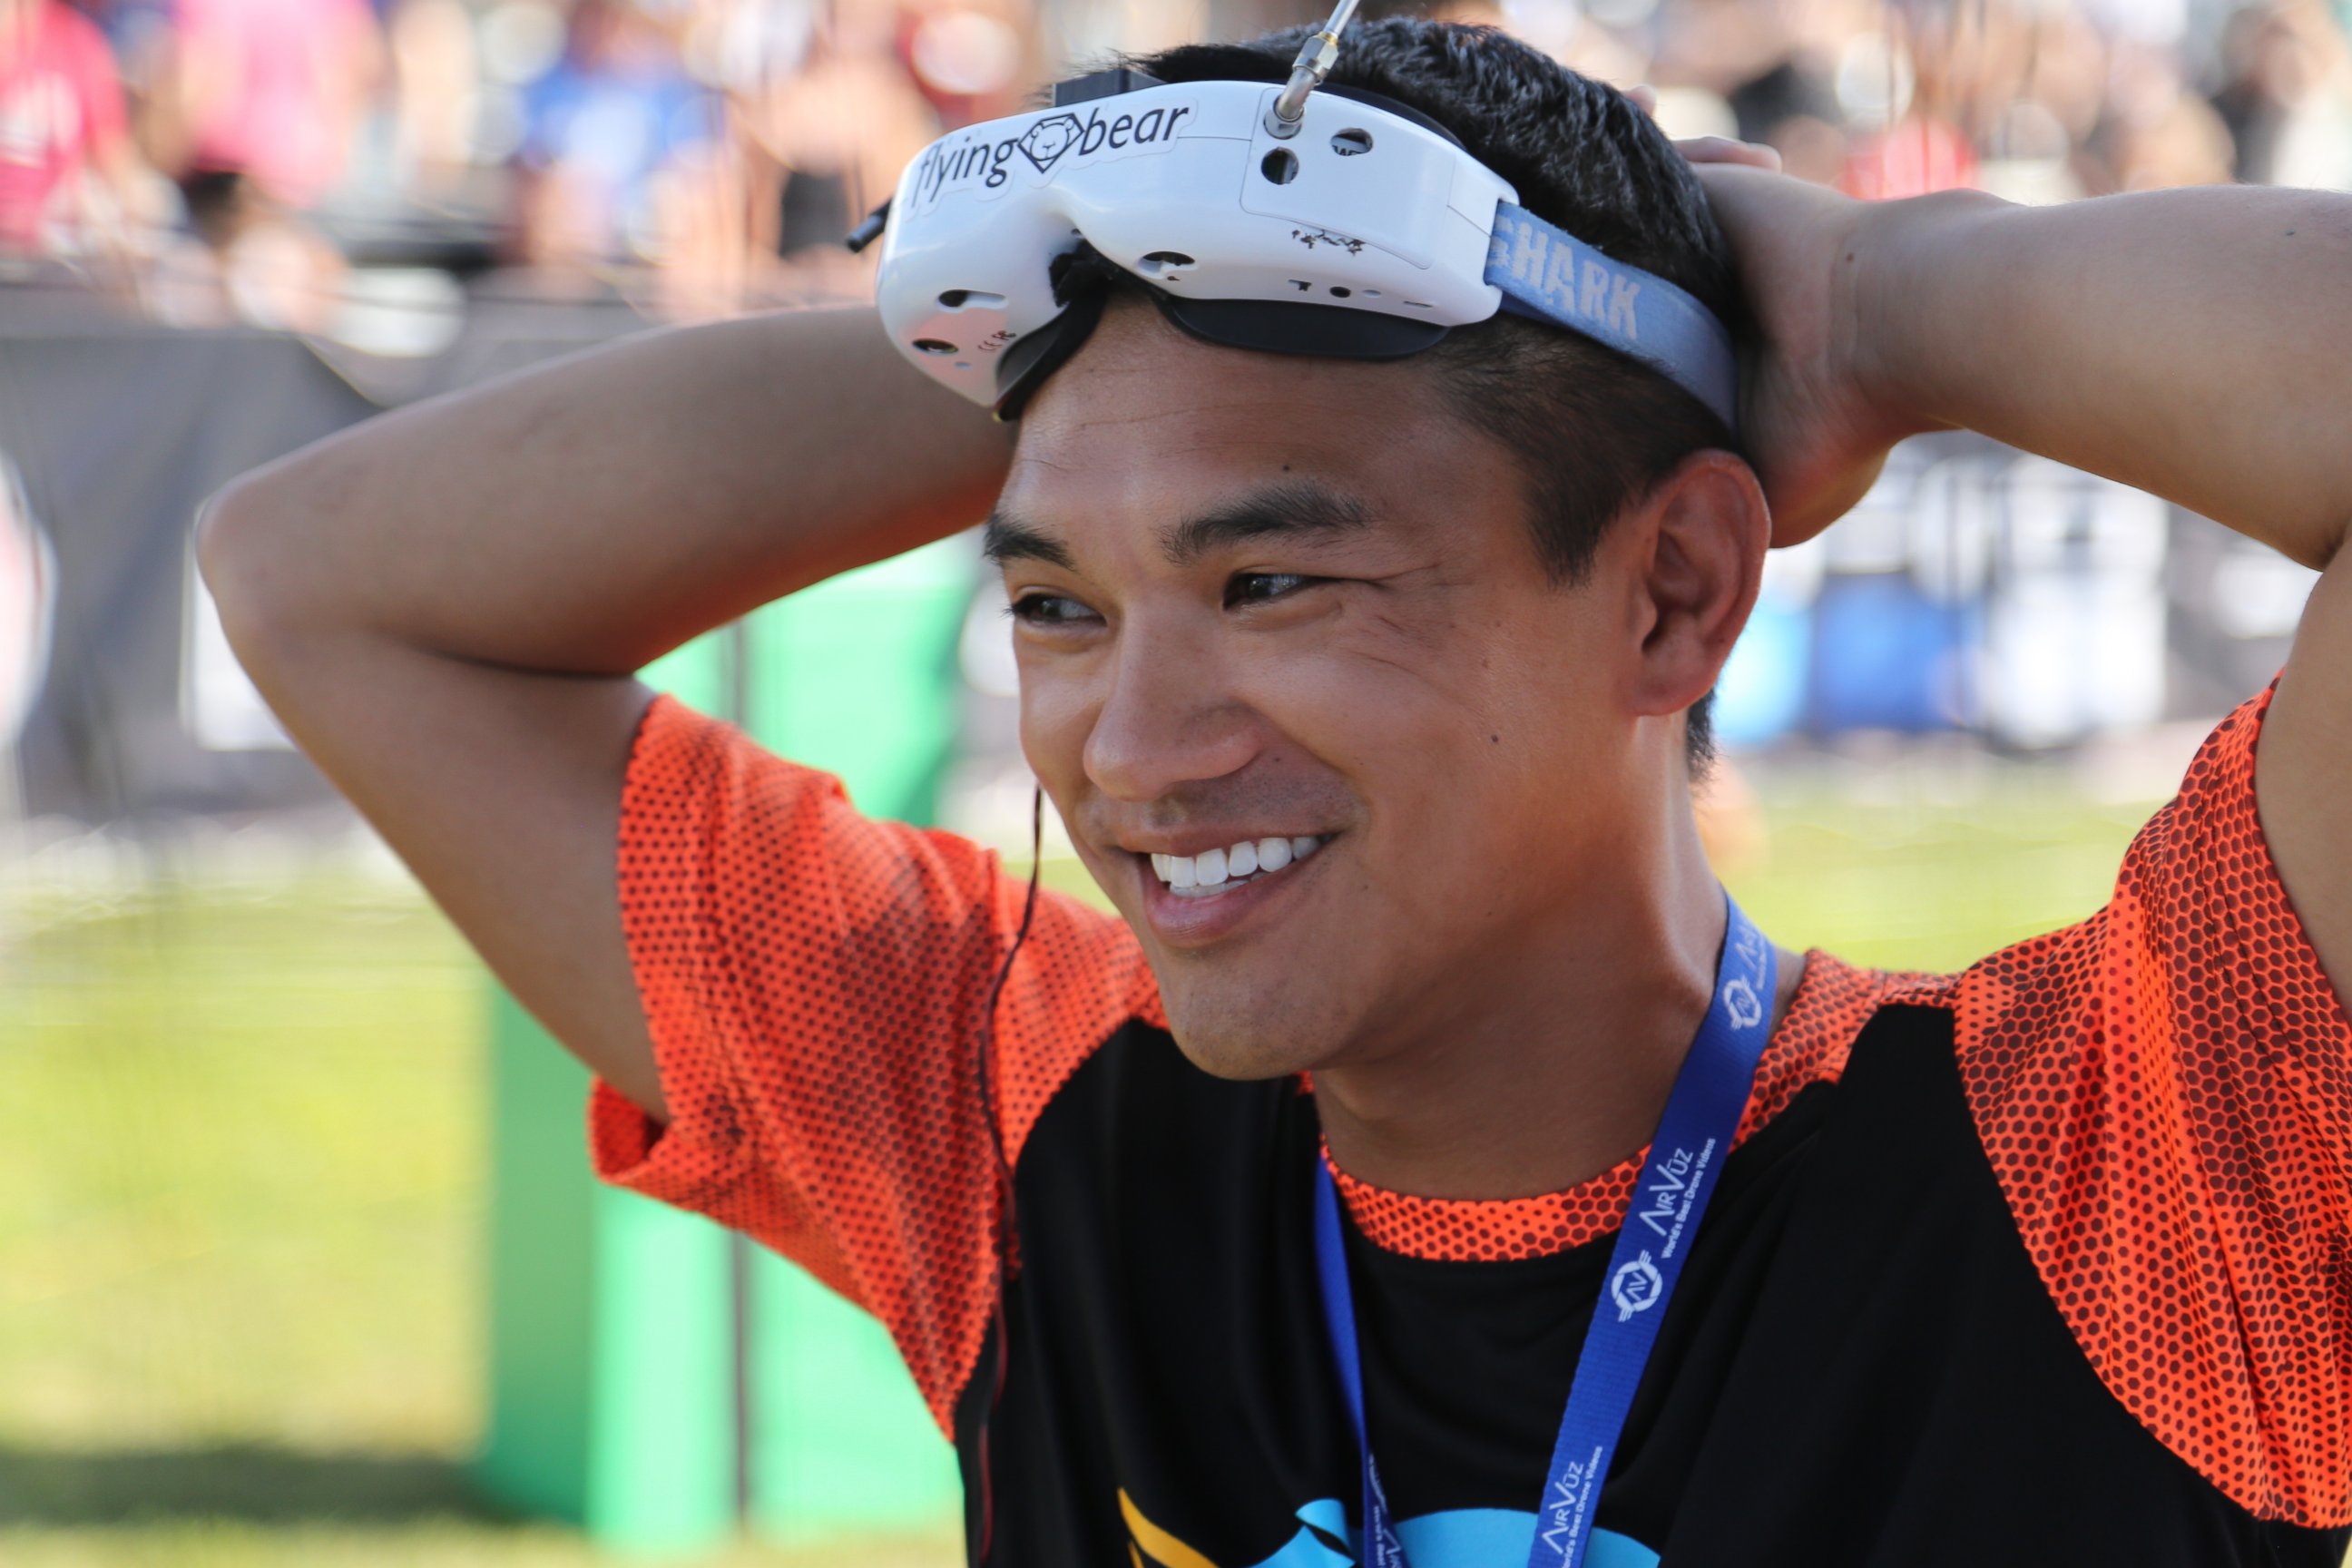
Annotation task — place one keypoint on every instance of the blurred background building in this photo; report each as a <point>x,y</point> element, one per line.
<point>298,1257</point>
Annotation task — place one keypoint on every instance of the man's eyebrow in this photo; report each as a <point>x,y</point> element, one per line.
<point>1007,538</point>
<point>1285,511</point>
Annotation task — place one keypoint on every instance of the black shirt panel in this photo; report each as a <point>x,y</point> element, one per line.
<point>1164,1341</point>
<point>1860,1365</point>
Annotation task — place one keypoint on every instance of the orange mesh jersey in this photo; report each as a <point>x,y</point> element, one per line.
<point>814,982</point>
<point>2166,1094</point>
<point>2161,1091</point>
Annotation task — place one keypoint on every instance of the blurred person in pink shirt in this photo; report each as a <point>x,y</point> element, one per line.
<point>1913,97</point>
<point>1910,158</point>
<point>61,117</point>
<point>273,90</point>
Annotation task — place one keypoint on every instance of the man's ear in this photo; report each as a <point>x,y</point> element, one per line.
<point>1698,538</point>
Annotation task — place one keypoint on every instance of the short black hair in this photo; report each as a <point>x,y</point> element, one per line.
<point>1593,428</point>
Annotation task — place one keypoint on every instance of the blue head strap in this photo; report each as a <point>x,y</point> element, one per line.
<point>1550,276</point>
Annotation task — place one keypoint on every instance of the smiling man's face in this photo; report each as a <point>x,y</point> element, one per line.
<point>1294,605</point>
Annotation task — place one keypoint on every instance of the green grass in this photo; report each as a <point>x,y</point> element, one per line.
<point>241,1179</point>
<point>433,1543</point>
<point>1908,885</point>
<point>217,1113</point>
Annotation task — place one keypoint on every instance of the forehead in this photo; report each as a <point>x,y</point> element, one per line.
<point>1145,423</point>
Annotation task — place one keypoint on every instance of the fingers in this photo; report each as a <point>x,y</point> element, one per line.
<point>1709,148</point>
<point>1724,150</point>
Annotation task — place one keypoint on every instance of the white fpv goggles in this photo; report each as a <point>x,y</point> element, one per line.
<point>1366,232</point>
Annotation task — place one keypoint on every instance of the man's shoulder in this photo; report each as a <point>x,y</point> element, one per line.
<point>2158,1120</point>
<point>1835,1001</point>
<point>2163,1091</point>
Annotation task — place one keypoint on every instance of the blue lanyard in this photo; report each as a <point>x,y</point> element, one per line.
<point>1687,1157</point>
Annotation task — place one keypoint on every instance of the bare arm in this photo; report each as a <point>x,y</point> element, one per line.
<point>445,605</point>
<point>2195,343</point>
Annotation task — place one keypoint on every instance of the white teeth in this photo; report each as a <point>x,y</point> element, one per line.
<point>1214,869</point>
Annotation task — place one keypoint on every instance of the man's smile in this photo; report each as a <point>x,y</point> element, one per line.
<point>1215,872</point>
<point>1190,901</point>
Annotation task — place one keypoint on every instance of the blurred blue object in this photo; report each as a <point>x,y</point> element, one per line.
<point>1760,695</point>
<point>614,114</point>
<point>1888,656</point>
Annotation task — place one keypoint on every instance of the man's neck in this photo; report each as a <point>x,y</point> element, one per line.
<point>1559,1077</point>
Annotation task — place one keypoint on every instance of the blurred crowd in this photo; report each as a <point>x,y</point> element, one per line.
<point>2035,101</point>
<point>270,160</point>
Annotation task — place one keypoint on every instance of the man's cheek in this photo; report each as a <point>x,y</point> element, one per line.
<point>1344,705</point>
<point>1055,723</point>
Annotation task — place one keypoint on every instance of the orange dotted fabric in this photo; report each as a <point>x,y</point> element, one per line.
<point>1809,1045</point>
<point>2165,1091</point>
<point>814,983</point>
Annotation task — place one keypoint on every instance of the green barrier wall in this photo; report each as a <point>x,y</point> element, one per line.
<point>653,1379</point>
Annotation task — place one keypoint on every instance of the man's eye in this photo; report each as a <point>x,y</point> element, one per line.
<point>1048,610</point>
<point>1260,587</point>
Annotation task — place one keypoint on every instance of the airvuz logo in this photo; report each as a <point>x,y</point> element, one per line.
<point>1069,137</point>
<point>1673,1188</point>
<point>1570,1507</point>
<point>1636,1287</point>
<point>1742,994</point>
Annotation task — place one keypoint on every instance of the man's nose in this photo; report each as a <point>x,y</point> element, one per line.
<point>1168,719</point>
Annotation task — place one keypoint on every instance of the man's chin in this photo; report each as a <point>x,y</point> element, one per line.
<point>1230,1039</point>
<point>1246,1061</point>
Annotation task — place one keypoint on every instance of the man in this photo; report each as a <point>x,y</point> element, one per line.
<point>1363,690</point>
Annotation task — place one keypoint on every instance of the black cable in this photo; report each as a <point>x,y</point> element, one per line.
<point>1008,1234</point>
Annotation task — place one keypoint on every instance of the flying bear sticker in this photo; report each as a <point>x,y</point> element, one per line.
<point>1067,139</point>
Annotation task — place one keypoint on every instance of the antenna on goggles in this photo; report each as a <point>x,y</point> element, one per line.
<point>1306,73</point>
